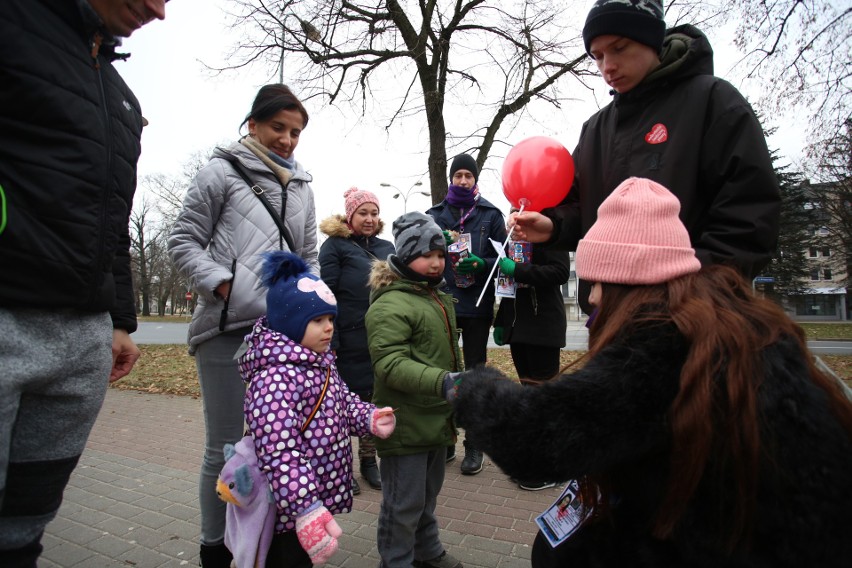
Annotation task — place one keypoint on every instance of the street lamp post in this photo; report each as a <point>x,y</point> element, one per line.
<point>405,194</point>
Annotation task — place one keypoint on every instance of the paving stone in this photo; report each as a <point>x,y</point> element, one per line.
<point>133,499</point>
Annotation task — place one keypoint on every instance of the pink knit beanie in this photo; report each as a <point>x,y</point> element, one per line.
<point>638,238</point>
<point>355,198</point>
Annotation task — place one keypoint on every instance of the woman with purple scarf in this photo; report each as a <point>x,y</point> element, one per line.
<point>464,211</point>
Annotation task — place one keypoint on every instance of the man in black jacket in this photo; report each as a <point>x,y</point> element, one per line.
<point>70,133</point>
<point>671,120</point>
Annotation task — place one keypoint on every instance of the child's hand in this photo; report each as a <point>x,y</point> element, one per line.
<point>450,386</point>
<point>317,532</point>
<point>383,422</point>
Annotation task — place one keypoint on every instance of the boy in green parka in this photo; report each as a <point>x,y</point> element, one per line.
<point>414,346</point>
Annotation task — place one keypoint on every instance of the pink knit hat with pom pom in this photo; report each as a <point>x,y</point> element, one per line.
<point>355,198</point>
<point>638,238</point>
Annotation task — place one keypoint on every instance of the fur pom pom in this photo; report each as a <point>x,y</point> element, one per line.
<point>281,264</point>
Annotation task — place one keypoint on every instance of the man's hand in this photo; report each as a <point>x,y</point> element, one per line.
<point>471,265</point>
<point>498,335</point>
<point>530,226</point>
<point>124,354</point>
<point>507,266</point>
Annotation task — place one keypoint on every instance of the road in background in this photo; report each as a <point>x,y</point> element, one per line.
<point>576,338</point>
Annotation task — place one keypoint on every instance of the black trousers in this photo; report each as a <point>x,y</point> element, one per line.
<point>474,340</point>
<point>536,362</point>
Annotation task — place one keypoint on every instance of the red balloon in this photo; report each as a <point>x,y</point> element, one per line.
<point>538,170</point>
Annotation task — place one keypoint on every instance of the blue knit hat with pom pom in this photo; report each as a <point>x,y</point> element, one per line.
<point>294,296</point>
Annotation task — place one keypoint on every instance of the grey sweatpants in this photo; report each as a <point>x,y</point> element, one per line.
<point>408,529</point>
<point>223,394</point>
<point>54,372</point>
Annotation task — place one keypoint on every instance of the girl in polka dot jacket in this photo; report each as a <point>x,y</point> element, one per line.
<point>301,414</point>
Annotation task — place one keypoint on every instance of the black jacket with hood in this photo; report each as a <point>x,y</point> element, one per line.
<point>69,141</point>
<point>345,261</point>
<point>536,315</point>
<point>693,133</point>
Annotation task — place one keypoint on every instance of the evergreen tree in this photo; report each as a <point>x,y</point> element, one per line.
<point>789,265</point>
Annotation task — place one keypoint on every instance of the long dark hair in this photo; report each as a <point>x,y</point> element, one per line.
<point>726,327</point>
<point>271,99</point>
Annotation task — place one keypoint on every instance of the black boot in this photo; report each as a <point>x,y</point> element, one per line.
<point>370,472</point>
<point>472,462</point>
<point>216,556</point>
<point>356,489</point>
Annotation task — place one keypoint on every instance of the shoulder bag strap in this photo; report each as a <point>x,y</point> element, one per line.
<point>258,191</point>
<point>319,402</point>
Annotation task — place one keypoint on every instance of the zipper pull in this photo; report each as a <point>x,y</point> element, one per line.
<point>97,39</point>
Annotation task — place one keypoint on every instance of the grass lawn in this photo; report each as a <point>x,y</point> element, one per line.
<point>169,369</point>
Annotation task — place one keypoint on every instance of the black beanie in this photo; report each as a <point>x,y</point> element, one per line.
<point>639,20</point>
<point>464,162</point>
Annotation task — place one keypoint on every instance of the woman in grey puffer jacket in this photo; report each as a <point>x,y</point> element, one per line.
<point>216,243</point>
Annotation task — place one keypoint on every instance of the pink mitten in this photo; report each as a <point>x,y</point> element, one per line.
<point>317,532</point>
<point>383,422</point>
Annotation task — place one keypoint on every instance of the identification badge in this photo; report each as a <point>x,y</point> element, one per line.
<point>565,516</point>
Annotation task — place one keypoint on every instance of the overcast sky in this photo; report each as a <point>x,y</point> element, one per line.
<point>190,110</point>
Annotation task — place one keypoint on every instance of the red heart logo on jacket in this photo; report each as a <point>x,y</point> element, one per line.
<point>658,134</point>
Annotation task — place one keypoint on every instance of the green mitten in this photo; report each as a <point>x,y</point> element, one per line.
<point>507,266</point>
<point>471,265</point>
<point>498,335</point>
<point>448,237</point>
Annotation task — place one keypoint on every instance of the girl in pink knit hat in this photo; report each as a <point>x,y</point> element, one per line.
<point>698,432</point>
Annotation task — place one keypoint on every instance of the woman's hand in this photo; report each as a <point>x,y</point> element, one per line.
<point>223,290</point>
<point>530,226</point>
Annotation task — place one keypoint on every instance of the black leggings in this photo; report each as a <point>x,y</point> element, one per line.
<point>286,552</point>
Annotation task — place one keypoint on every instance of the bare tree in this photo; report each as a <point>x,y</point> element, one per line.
<point>169,191</point>
<point>144,237</point>
<point>492,58</point>
<point>801,51</point>
<point>154,273</point>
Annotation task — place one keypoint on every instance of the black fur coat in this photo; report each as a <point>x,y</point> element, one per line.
<point>609,419</point>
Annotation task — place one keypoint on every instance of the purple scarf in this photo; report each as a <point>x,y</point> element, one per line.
<point>461,197</point>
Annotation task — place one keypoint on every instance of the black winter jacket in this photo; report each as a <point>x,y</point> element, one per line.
<point>609,419</point>
<point>536,315</point>
<point>69,141</point>
<point>486,222</point>
<point>345,264</point>
<point>693,133</point>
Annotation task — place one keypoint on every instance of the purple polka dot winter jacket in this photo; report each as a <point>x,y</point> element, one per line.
<point>285,380</point>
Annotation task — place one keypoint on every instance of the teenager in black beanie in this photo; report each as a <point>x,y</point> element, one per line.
<point>639,20</point>
<point>674,122</point>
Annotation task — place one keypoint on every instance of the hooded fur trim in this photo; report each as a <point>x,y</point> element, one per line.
<point>336,226</point>
<point>381,275</point>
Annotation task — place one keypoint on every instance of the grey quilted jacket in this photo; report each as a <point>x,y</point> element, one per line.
<point>222,220</point>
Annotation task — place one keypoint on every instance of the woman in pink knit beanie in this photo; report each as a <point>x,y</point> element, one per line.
<point>345,258</point>
<point>698,432</point>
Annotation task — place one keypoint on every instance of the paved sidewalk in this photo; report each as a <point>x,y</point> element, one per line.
<point>132,501</point>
